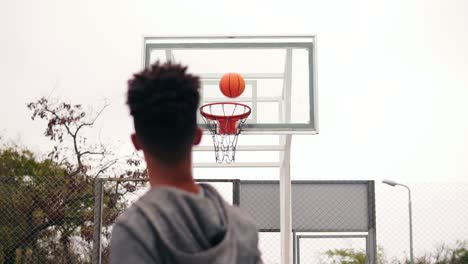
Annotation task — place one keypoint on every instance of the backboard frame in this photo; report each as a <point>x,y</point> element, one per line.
<point>307,42</point>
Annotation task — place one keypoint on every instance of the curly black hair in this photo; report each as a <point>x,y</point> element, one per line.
<point>163,101</point>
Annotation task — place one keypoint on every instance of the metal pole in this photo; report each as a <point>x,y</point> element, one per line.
<point>285,170</point>
<point>393,183</point>
<point>285,202</point>
<point>371,239</point>
<point>98,193</point>
<point>236,192</point>
<point>298,244</point>
<point>294,247</point>
<point>410,223</point>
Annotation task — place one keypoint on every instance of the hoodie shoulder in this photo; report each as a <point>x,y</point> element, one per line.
<point>244,229</point>
<point>134,238</point>
<point>235,213</point>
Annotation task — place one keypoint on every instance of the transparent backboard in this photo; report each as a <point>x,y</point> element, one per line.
<point>278,72</point>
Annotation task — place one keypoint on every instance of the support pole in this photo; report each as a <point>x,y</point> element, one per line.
<point>98,195</point>
<point>285,169</point>
<point>410,210</point>
<point>285,202</point>
<point>294,247</point>
<point>236,192</point>
<point>371,240</point>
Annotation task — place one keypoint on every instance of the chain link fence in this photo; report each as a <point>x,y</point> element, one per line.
<point>50,219</point>
<point>45,219</point>
<point>440,222</point>
<point>332,248</point>
<point>261,200</point>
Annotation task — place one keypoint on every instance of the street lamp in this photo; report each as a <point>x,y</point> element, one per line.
<point>393,184</point>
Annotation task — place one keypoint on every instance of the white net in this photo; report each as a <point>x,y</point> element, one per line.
<point>225,122</point>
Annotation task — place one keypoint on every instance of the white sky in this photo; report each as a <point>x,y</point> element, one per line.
<point>392,75</point>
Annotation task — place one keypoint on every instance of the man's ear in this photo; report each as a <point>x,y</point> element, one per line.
<point>198,136</point>
<point>136,142</point>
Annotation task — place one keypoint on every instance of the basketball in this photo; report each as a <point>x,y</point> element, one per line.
<point>232,85</point>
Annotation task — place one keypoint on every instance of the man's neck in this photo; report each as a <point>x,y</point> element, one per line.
<point>178,176</point>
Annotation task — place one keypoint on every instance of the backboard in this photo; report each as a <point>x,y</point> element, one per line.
<point>279,73</point>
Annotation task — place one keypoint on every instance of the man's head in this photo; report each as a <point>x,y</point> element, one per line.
<point>163,101</point>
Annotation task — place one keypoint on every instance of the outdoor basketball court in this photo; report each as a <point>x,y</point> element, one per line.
<point>324,100</point>
<point>280,90</point>
<point>246,149</point>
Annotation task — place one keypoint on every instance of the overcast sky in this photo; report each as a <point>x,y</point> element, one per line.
<point>392,75</point>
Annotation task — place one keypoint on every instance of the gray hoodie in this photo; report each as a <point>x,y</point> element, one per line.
<point>168,225</point>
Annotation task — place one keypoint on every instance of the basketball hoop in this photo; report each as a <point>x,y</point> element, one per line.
<point>225,121</point>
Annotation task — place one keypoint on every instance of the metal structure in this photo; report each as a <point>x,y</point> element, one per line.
<point>280,77</point>
<point>410,210</point>
<point>298,239</point>
<point>211,57</point>
<point>317,206</point>
<point>335,207</point>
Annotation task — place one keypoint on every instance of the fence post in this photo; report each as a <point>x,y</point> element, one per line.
<point>236,192</point>
<point>371,240</point>
<point>298,251</point>
<point>98,195</point>
<point>294,247</point>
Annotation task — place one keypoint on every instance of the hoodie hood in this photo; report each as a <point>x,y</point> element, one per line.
<point>199,228</point>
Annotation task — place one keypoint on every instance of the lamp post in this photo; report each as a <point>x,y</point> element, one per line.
<point>393,184</point>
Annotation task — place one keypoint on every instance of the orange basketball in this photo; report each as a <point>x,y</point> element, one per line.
<point>232,85</point>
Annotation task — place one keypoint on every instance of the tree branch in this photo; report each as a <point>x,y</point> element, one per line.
<point>92,122</point>
<point>106,166</point>
<point>58,117</point>
<point>92,153</point>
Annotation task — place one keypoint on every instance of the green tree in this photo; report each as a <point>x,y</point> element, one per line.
<point>347,256</point>
<point>444,254</point>
<point>49,201</point>
<point>353,256</point>
<point>28,188</point>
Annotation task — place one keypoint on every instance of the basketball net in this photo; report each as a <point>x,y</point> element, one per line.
<point>225,122</point>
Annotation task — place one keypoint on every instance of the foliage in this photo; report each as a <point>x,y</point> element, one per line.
<point>39,203</point>
<point>353,256</point>
<point>347,256</point>
<point>444,254</point>
<point>49,201</point>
